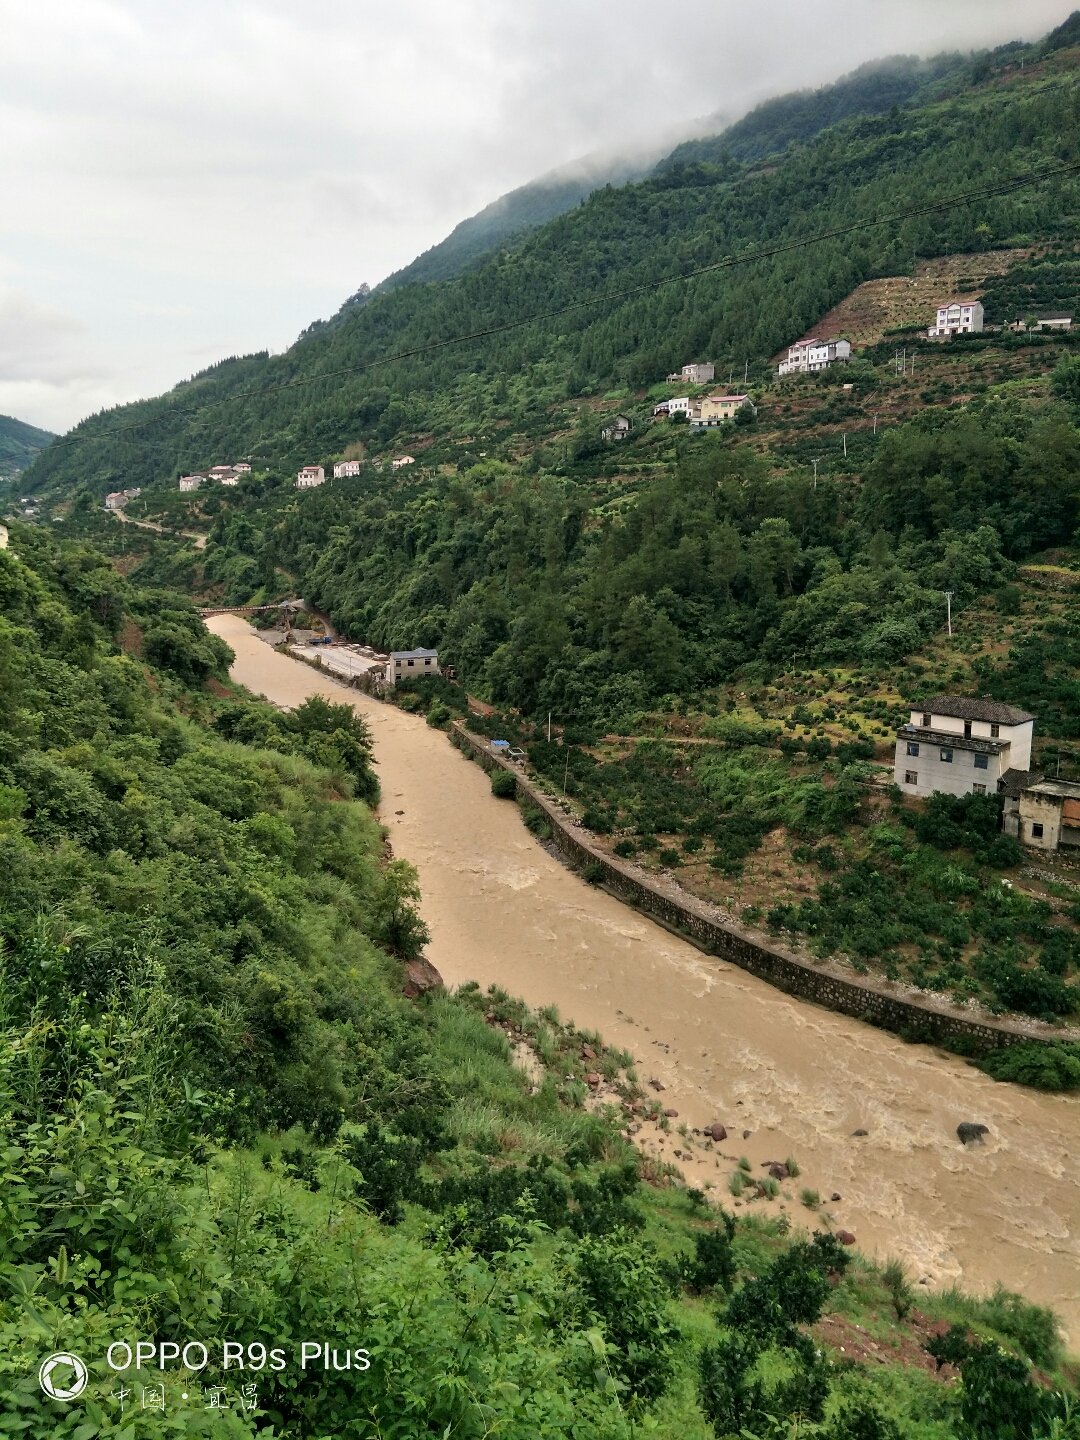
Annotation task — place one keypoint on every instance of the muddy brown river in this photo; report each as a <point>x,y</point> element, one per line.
<point>725,1045</point>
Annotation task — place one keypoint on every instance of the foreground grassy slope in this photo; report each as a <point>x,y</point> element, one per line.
<point>221,1118</point>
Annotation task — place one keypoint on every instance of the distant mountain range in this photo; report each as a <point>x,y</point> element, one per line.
<point>20,443</point>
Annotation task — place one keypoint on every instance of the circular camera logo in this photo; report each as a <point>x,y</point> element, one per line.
<point>63,1376</point>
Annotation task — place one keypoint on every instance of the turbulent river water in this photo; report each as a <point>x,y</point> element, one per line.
<point>726,1046</point>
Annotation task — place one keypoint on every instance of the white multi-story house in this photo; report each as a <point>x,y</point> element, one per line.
<point>679,406</point>
<point>116,500</point>
<point>961,746</point>
<point>310,476</point>
<point>346,467</point>
<point>808,356</point>
<point>191,482</point>
<point>411,664</point>
<point>401,461</point>
<point>696,374</point>
<point>960,317</point>
<point>242,467</point>
<point>715,409</point>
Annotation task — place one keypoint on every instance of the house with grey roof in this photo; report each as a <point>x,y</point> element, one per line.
<point>411,665</point>
<point>960,745</point>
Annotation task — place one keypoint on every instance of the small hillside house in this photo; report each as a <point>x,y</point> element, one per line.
<point>961,317</point>
<point>696,374</point>
<point>1039,810</point>
<point>619,428</point>
<point>116,500</point>
<point>961,746</point>
<point>190,482</point>
<point>401,461</point>
<point>715,409</point>
<point>310,476</point>
<point>411,665</point>
<point>344,468</point>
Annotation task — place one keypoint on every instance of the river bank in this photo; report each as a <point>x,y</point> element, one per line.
<point>724,1044</point>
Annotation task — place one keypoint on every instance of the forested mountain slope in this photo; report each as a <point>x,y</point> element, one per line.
<point>506,221</point>
<point>19,444</point>
<point>860,170</point>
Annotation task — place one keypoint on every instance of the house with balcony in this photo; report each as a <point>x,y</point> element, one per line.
<point>961,746</point>
<point>960,317</point>
<point>716,409</point>
<point>309,477</point>
<point>344,468</point>
<point>809,356</point>
<point>191,482</point>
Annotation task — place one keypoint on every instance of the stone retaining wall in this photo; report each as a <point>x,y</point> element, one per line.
<point>693,919</point>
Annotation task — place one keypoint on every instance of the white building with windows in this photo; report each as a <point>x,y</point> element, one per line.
<point>960,317</point>
<point>961,746</point>
<point>310,476</point>
<point>411,665</point>
<point>809,356</point>
<point>344,468</point>
<point>190,482</point>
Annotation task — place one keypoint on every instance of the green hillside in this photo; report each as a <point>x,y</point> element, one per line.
<point>20,444</point>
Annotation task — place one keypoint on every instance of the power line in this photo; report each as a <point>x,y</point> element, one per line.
<point>728,262</point>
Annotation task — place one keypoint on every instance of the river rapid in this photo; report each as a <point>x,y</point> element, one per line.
<point>725,1045</point>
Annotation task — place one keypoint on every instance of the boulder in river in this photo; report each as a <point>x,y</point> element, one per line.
<point>672,1114</point>
<point>845,1237</point>
<point>420,977</point>
<point>716,1131</point>
<point>971,1132</point>
<point>778,1172</point>
<point>860,1132</point>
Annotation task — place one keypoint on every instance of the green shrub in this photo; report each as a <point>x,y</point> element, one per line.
<point>503,784</point>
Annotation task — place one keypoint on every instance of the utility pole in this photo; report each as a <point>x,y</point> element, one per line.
<point>875,424</point>
<point>566,768</point>
<point>948,608</point>
<point>549,727</point>
<point>845,445</point>
<point>746,373</point>
<point>815,464</point>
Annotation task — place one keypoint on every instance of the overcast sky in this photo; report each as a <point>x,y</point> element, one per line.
<point>184,181</point>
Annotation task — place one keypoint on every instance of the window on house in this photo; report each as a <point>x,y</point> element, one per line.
<point>995,731</point>
<point>978,789</point>
<point>982,762</point>
<point>926,719</point>
<point>911,777</point>
<point>913,747</point>
<point>411,662</point>
<point>946,756</point>
<point>1036,830</point>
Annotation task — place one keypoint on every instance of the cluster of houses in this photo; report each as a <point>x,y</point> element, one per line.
<point>216,475</point>
<point>117,499</point>
<point>312,475</point>
<point>966,317</point>
<point>962,746</point>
